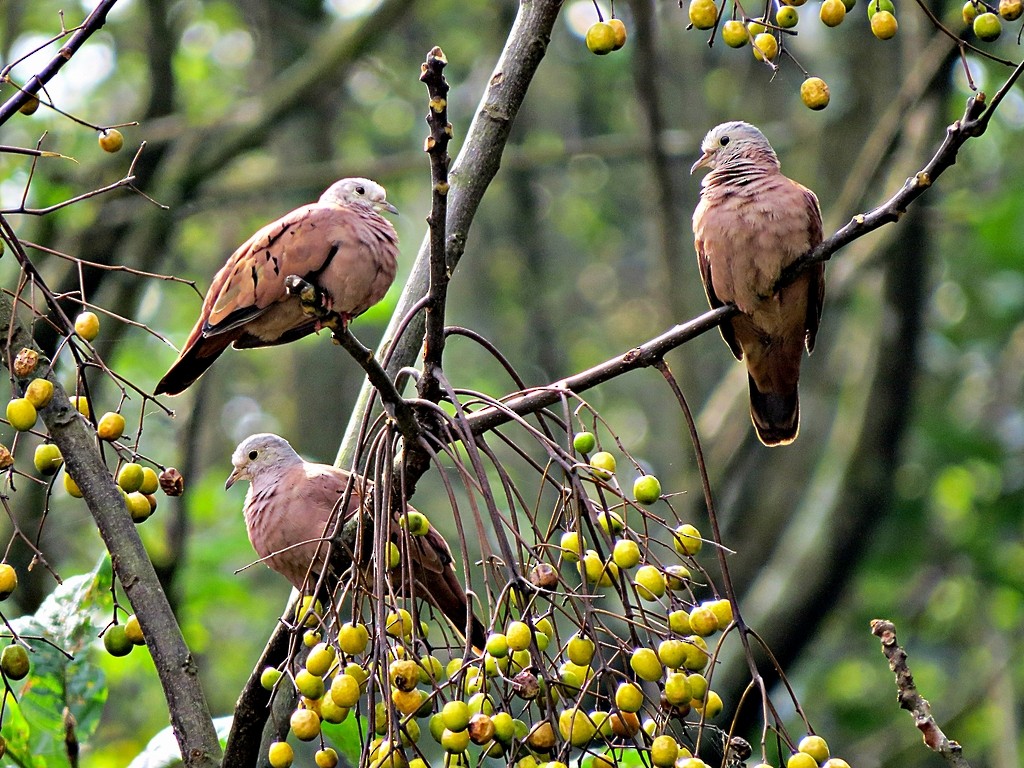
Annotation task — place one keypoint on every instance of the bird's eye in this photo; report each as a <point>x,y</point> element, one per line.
<point>253,455</point>
<point>360,191</point>
<point>724,140</point>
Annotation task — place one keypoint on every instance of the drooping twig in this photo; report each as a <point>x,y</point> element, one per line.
<point>911,700</point>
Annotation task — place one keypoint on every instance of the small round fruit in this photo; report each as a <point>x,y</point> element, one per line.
<point>320,659</point>
<point>150,481</point>
<point>130,477</point>
<point>703,13</point>
<point>584,442</point>
<point>647,489</point>
<point>518,635</point>
<point>571,543</point>
<point>703,621</point>
<point>72,487</point>
<point>353,638</point>
<point>404,674</point>
<point>8,580</point>
<point>755,28</point>
<point>884,25</point>
<point>677,577</point>
<point>305,724</point>
<point>398,623</point>
<point>81,404</point>
<point>133,630</point>
<point>331,711</point>
<point>697,655</point>
<point>21,413</point>
<point>481,728</point>
<point>326,758</point>
<point>269,677</point>
<point>766,47</point>
<point>815,746</point>
<point>110,427</point>
<point>626,553</point>
<point>1011,10</point>
<point>455,742</point>
<point>39,392</point>
<point>880,5</point>
<point>687,540</point>
<point>734,34</point>
<point>345,690</point>
<point>455,715</point>
<point>280,754</point>
<point>723,611</point>
<point>603,464</point>
<point>611,522</point>
<point>416,523</point>
<point>576,727</point>
<point>47,458</point>
<point>309,685</point>
<point>677,689</point>
<point>673,653</point>
<point>580,650</point>
<point>14,661</point>
<point>787,17</point>
<point>712,705</point>
<point>30,106</point>
<point>601,38</point>
<point>541,737</point>
<point>111,140</point>
<point>625,725</point>
<point>832,13</point>
<point>644,661</point>
<point>629,697</point>
<point>679,622</point>
<point>969,12</point>
<point>139,506</point>
<point>664,751</point>
<point>116,641</point>
<point>497,645</point>
<point>650,582</point>
<point>698,687</point>
<point>87,325</point>
<point>987,27</point>
<point>814,93</point>
<point>620,39</point>
<point>801,760</point>
<point>309,611</point>
<point>835,762</point>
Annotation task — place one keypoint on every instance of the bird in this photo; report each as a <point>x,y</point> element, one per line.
<point>341,244</point>
<point>750,223</point>
<point>289,504</point>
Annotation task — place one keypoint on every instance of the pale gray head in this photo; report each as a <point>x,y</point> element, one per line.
<point>731,142</point>
<point>358,192</point>
<point>260,454</point>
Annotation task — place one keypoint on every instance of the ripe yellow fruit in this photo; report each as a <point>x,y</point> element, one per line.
<point>320,659</point>
<point>87,325</point>
<point>39,392</point>
<point>603,464</point>
<point>703,621</point>
<point>734,34</point>
<point>711,707</point>
<point>110,427</point>
<point>787,17</point>
<point>111,140</point>
<point>814,93</point>
<point>345,690</point>
<point>455,742</point>
<point>723,611</point>
<point>580,650</point>
<point>969,12</point>
<point>326,758</point>
<point>647,489</point>
<point>629,697</point>
<point>1011,10</point>
<point>71,486</point>
<point>576,727</point>
<point>309,685</point>
<point>416,523</point>
<point>801,760</point>
<point>620,33</point>
<point>14,662</point>
<point>571,543</point>
<point>832,13</point>
<point>398,623</point>
<point>8,580</point>
<point>644,661</point>
<point>21,414</point>
<point>815,746</point>
<point>625,725</point>
<point>611,522</point>
<point>664,751</point>
<point>673,653</point>
<point>130,477</point>
<point>703,13</point>
<point>305,724</point>
<point>601,38</point>
<point>406,702</point>
<point>81,404</point>
<point>133,631</point>
<point>987,27</point>
<point>331,711</point>
<point>280,754</point>
<point>268,677</point>
<point>518,635</point>
<point>677,689</point>
<point>150,481</point>
<point>884,25</point>
<point>353,638</point>
<point>47,458</point>
<point>310,610</point>
<point>626,553</point>
<point>835,762</point>
<point>116,641</point>
<point>650,582</point>
<point>766,47</point>
<point>697,655</point>
<point>686,539</point>
<point>541,737</point>
<point>455,715</point>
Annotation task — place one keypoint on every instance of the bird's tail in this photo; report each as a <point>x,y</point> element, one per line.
<point>192,363</point>
<point>776,415</point>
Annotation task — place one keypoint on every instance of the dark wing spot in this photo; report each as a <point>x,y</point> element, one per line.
<point>277,265</point>
<point>255,277</point>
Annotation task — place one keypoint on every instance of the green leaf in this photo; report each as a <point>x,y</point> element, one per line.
<point>347,737</point>
<point>69,619</point>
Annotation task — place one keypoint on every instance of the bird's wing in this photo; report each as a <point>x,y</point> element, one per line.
<point>816,284</point>
<point>704,264</point>
<point>300,243</point>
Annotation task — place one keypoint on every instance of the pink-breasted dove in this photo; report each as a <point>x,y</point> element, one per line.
<point>750,223</point>
<point>340,244</point>
<point>289,504</point>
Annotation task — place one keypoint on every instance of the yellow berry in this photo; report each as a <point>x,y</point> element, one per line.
<point>787,17</point>
<point>987,27</point>
<point>39,392</point>
<point>835,762</point>
<point>647,489</point>
<point>133,630</point>
<point>734,34</point>
<point>703,13</point>
<point>884,25</point>
<point>626,553</point>
<point>309,685</point>
<point>71,486</point>
<point>308,610</point>
<point>570,544</point>
<point>130,477</point>
<point>644,661</point>
<point>832,13</point>
<point>455,715</point>
<point>650,582</point>
<point>801,760</point>
<point>87,325</point>
<point>268,677</point>
<point>601,38</point>
<point>110,427</point>
<point>455,742</point>
<point>320,659</point>
<point>677,689</point>
<point>305,724</point>
<point>326,758</point>
<point>766,47</point>
<point>116,641</point>
<point>814,93</point>
<point>580,650</point>
<point>723,611</point>
<point>686,539</point>
<point>815,746</point>
<point>969,12</point>
<point>1011,10</point>
<point>398,623</point>
<point>416,523</point>
<point>80,404</point>
<point>673,653</point>
<point>353,638</point>
<point>603,464</point>
<point>518,635</point>
<point>576,727</point>
<point>345,690</point>
<point>280,754</point>
<point>21,414</point>
<point>711,707</point>
<point>111,140</point>
<point>8,580</point>
<point>150,481</point>
<point>703,621</point>
<point>620,33</point>
<point>664,751</point>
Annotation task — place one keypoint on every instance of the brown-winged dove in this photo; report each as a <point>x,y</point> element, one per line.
<point>341,244</point>
<point>289,504</point>
<point>750,223</point>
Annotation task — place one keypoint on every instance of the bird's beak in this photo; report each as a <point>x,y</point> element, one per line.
<point>704,161</point>
<point>386,206</point>
<point>233,478</point>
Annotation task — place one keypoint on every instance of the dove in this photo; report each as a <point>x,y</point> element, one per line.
<point>750,223</point>
<point>288,506</point>
<point>341,244</point>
